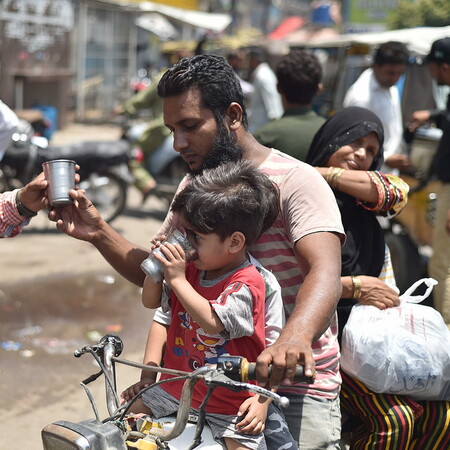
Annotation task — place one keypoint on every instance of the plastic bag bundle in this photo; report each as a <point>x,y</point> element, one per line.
<point>403,350</point>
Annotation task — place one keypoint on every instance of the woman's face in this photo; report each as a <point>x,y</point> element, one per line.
<point>357,155</point>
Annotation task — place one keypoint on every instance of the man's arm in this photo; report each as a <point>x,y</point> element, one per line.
<point>319,256</point>
<point>151,294</point>
<point>81,220</point>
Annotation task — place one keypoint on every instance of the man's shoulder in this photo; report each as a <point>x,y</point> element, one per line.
<point>360,89</point>
<point>268,128</point>
<point>280,164</point>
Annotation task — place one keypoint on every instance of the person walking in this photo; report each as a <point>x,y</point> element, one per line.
<point>299,76</point>
<point>377,91</point>
<point>439,264</point>
<point>265,101</point>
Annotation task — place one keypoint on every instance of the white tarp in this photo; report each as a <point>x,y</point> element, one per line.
<point>418,40</point>
<point>199,19</point>
<point>157,24</point>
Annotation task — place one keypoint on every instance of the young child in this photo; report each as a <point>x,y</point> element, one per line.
<point>217,300</point>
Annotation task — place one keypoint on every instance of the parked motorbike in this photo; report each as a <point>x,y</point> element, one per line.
<point>103,171</point>
<point>164,164</point>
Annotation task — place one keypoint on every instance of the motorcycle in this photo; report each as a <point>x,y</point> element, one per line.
<point>121,431</point>
<point>103,170</point>
<point>164,164</point>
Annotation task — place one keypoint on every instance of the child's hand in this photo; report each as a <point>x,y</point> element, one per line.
<point>174,262</point>
<point>157,240</point>
<point>254,413</point>
<point>134,389</point>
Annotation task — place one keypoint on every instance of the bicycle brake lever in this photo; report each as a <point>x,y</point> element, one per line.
<point>219,379</point>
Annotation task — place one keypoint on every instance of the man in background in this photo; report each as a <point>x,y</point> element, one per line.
<point>265,102</point>
<point>235,59</point>
<point>376,90</point>
<point>439,264</point>
<point>299,76</point>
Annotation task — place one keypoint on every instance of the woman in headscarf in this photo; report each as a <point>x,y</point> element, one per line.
<point>347,151</point>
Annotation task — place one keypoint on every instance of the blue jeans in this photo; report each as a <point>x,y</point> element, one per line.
<point>276,433</point>
<point>315,423</point>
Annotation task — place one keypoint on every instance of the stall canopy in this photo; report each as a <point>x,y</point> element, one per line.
<point>158,25</point>
<point>199,19</point>
<point>418,40</point>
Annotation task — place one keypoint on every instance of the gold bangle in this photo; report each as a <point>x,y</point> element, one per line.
<point>333,175</point>
<point>328,175</point>
<point>356,282</point>
<point>338,174</point>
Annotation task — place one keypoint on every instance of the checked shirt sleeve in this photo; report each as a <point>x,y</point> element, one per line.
<point>11,222</point>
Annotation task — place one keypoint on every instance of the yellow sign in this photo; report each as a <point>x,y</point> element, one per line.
<point>183,4</point>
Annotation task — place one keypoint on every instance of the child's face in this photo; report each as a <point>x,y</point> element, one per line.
<point>212,252</point>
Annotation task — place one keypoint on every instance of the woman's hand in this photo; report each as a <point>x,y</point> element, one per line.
<point>377,293</point>
<point>254,413</point>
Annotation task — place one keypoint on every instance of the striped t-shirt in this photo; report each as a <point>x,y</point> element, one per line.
<point>308,206</point>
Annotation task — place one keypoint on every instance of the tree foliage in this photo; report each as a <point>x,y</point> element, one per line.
<point>420,13</point>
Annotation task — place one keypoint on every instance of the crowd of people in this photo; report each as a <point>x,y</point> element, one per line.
<point>298,195</point>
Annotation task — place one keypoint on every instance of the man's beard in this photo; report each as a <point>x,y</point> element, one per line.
<point>224,149</point>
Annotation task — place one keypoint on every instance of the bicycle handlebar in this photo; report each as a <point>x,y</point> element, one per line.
<point>231,372</point>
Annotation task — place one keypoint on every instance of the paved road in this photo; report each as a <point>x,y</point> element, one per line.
<point>56,294</point>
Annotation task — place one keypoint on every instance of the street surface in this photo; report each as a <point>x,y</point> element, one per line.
<point>58,294</point>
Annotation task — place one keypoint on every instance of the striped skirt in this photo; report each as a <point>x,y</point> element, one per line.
<point>393,422</point>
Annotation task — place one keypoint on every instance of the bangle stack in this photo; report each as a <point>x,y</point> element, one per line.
<point>356,282</point>
<point>333,175</point>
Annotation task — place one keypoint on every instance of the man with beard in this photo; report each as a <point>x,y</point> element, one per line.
<point>204,109</point>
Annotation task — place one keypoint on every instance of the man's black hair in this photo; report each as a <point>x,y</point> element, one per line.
<point>231,197</point>
<point>299,74</point>
<point>391,52</point>
<point>213,76</point>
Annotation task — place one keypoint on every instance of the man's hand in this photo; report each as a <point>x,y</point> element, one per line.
<point>33,194</point>
<point>377,293</point>
<point>284,356</point>
<point>80,220</point>
<point>399,161</point>
<point>418,118</point>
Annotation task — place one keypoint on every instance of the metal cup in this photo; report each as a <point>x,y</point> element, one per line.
<point>153,268</point>
<point>60,174</point>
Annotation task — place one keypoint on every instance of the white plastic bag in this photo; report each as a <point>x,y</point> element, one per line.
<point>403,350</point>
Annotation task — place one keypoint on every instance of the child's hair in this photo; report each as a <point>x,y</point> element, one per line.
<point>231,197</point>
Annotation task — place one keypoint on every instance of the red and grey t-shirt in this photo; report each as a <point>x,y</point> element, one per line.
<point>238,299</point>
